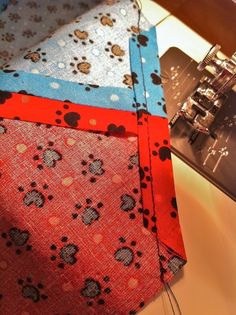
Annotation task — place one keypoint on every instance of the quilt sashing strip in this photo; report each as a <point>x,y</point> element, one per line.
<point>157,183</point>
<point>145,67</point>
<point>56,89</point>
<point>65,114</point>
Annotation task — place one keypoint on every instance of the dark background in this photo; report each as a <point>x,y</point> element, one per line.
<point>215,20</point>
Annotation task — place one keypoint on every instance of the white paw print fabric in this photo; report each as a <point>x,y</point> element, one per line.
<point>86,43</point>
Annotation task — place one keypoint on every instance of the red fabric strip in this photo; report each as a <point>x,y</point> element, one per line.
<point>65,114</point>
<point>160,212</point>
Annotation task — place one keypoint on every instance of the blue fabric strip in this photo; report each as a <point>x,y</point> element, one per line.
<point>145,68</point>
<point>39,85</point>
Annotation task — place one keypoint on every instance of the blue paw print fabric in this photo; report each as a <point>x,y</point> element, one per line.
<point>145,67</point>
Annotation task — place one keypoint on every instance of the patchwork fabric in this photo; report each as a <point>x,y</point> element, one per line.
<point>88,214</point>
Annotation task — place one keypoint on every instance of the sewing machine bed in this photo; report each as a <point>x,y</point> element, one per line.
<point>212,158</point>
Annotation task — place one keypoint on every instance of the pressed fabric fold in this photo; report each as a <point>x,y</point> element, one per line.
<point>88,214</point>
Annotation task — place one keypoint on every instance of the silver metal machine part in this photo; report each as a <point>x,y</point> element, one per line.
<point>201,107</point>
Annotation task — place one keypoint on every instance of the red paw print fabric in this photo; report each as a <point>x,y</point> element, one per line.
<point>74,231</point>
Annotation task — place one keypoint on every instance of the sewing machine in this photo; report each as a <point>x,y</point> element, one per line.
<point>202,114</point>
<point>201,109</point>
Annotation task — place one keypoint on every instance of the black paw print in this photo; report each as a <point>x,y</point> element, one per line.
<point>93,291</point>
<point>17,238</point>
<point>81,66</point>
<point>36,56</point>
<point>126,254</point>
<point>89,214</point>
<point>163,151</point>
<point>106,19</point>
<point>115,130</point>
<point>115,51</point>
<point>35,197</point>
<point>156,79</point>
<point>140,39</point>
<point>32,291</point>
<point>128,204</point>
<point>81,36</point>
<point>94,167</point>
<point>4,96</point>
<point>70,118</point>
<point>66,254</point>
<point>145,176</point>
<point>49,156</point>
<point>163,104</point>
<point>133,161</point>
<point>141,114</point>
